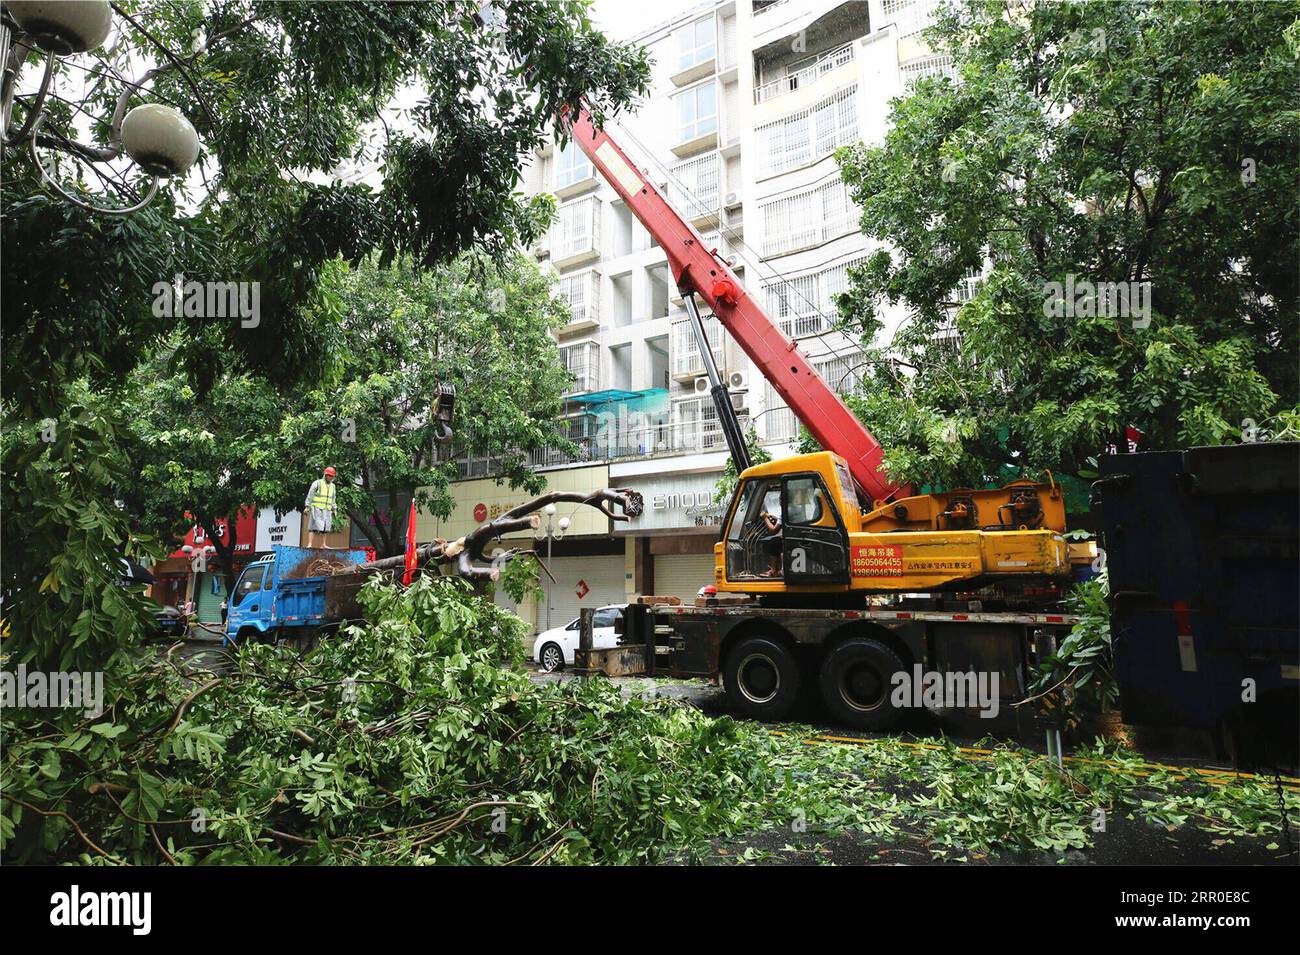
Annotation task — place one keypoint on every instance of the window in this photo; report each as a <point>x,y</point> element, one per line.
<point>695,44</point>
<point>606,617</point>
<point>686,350</point>
<point>843,373</point>
<point>577,228</point>
<point>807,218</point>
<point>779,422</point>
<point>938,64</point>
<point>251,582</point>
<point>909,16</point>
<point>697,427</point>
<point>573,166</point>
<point>697,111</point>
<point>696,185</point>
<point>581,292</point>
<point>753,548</point>
<point>810,134</point>
<point>582,361</point>
<point>805,305</point>
<point>804,496</point>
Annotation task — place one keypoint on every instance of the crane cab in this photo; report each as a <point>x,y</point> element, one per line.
<point>788,527</point>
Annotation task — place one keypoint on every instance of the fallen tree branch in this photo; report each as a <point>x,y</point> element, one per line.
<point>618,504</point>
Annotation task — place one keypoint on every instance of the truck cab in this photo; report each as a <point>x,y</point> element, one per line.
<point>785,527</point>
<point>285,592</point>
<point>249,608</point>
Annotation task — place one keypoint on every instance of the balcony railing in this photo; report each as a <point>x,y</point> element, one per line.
<point>812,71</point>
<point>576,232</point>
<point>668,438</point>
<point>760,10</point>
<point>582,361</point>
<point>696,186</point>
<point>935,64</point>
<point>686,359</point>
<point>779,424</point>
<point>581,292</point>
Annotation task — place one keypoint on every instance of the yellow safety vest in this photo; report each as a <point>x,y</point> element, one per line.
<point>323,496</point>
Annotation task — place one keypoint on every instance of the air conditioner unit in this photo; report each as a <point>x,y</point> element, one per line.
<point>732,260</point>
<point>732,200</point>
<point>739,404</point>
<point>702,386</point>
<point>736,380</point>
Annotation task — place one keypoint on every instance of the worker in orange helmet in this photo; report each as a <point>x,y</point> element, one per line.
<point>320,506</point>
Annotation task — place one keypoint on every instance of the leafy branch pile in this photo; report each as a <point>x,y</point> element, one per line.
<point>1008,798</point>
<point>416,740</point>
<point>408,742</point>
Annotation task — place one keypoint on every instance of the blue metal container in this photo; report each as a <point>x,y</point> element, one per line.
<point>1203,551</point>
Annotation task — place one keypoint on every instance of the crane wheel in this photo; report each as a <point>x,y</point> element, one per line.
<point>762,678</point>
<point>856,683</point>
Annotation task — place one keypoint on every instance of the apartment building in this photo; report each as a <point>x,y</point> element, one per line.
<point>749,100</point>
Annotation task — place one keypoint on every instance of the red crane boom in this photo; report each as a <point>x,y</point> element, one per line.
<point>700,270</point>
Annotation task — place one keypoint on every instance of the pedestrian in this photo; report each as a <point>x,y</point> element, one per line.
<point>320,507</point>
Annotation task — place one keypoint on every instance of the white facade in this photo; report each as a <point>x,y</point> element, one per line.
<point>749,100</point>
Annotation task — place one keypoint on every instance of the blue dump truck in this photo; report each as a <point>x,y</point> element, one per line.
<point>1203,549</point>
<point>295,594</point>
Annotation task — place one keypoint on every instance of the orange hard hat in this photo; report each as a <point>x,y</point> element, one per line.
<point>329,472</point>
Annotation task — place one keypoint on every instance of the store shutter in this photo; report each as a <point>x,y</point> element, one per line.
<point>682,575</point>
<point>603,576</point>
<point>210,590</point>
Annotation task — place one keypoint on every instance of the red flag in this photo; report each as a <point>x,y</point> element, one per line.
<point>410,547</point>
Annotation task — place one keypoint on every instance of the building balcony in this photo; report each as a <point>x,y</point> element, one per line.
<point>575,237</point>
<point>693,141</point>
<point>577,186</point>
<point>764,7</point>
<point>582,362</point>
<point>688,74</point>
<point>931,64</point>
<point>805,73</point>
<point>585,381</point>
<point>695,189</point>
<point>581,293</point>
<point>694,435</point>
<point>685,360</point>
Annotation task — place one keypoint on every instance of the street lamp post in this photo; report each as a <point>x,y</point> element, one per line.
<point>156,138</point>
<point>552,532</point>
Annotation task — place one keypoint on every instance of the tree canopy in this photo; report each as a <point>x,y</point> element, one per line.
<point>1156,150</point>
<point>297,106</point>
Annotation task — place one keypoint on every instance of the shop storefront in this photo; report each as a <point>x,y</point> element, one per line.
<point>171,581</point>
<point>587,580</point>
<point>676,533</point>
<point>203,576</point>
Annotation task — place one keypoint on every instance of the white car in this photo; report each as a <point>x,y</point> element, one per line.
<point>553,649</point>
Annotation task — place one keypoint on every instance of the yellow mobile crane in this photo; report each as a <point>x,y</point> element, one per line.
<point>833,523</point>
<point>830,574</point>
